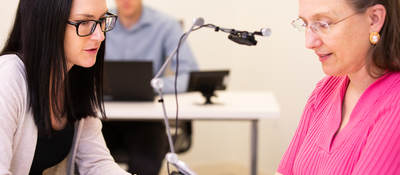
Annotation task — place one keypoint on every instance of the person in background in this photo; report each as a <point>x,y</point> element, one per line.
<point>50,90</point>
<point>351,122</point>
<point>144,34</point>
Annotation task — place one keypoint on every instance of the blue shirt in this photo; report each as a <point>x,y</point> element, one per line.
<point>152,38</point>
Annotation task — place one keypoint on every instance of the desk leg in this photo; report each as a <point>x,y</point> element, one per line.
<point>254,142</point>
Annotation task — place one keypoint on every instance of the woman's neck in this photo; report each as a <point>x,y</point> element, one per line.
<point>360,80</point>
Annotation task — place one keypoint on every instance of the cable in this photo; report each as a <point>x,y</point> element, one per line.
<point>176,86</point>
<point>169,172</point>
<point>176,93</point>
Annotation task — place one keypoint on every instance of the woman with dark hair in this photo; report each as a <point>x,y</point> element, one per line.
<point>51,88</point>
<point>351,122</point>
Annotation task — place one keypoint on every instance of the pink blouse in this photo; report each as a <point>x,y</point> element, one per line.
<point>370,142</point>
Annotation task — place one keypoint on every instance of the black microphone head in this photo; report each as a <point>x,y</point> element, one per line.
<point>243,38</point>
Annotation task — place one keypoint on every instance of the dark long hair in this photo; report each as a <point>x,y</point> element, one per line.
<point>37,37</point>
<point>386,53</point>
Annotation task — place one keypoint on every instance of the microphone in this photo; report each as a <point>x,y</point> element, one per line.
<point>247,38</point>
<point>264,32</point>
<point>199,21</point>
<point>244,38</point>
<point>241,37</point>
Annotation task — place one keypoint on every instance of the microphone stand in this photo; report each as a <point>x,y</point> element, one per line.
<point>157,84</point>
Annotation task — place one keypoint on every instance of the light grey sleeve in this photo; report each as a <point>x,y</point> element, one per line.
<point>93,156</point>
<point>12,99</point>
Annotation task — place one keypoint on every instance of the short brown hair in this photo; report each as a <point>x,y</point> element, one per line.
<point>386,53</point>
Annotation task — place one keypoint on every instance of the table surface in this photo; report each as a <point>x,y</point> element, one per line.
<point>229,105</point>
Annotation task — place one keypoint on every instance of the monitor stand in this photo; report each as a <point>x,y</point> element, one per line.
<point>208,98</point>
<point>207,94</point>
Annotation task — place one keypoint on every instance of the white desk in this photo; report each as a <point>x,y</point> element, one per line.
<point>250,106</point>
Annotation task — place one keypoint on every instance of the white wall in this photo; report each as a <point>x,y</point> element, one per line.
<point>279,64</point>
<point>7,13</point>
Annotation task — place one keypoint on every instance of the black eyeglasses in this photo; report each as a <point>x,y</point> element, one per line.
<point>87,27</point>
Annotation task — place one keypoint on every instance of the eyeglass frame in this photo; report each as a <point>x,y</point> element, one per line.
<point>316,28</point>
<point>76,24</point>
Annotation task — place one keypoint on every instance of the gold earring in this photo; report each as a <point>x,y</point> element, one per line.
<point>374,37</point>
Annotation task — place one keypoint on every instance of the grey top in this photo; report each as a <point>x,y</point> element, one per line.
<point>18,131</point>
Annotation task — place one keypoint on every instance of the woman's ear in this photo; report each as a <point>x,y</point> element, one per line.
<point>376,16</point>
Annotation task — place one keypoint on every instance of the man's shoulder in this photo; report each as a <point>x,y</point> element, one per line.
<point>159,17</point>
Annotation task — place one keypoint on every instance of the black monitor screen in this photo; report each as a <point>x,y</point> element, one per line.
<point>208,81</point>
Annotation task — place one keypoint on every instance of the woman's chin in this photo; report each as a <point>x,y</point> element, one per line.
<point>88,63</point>
<point>329,71</point>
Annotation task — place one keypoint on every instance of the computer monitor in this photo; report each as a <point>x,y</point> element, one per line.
<point>128,81</point>
<point>207,82</point>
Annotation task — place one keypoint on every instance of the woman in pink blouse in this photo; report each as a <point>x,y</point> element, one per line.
<point>351,123</point>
